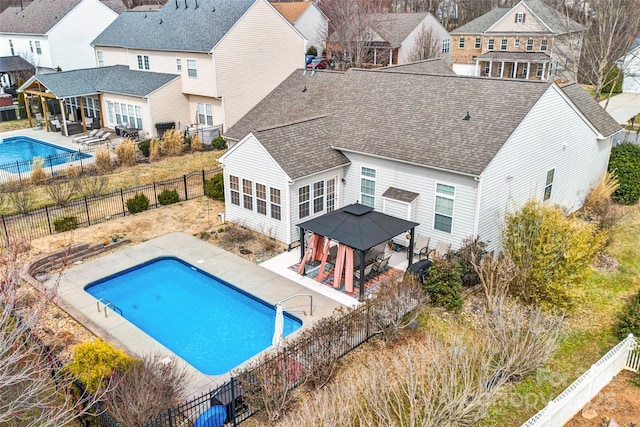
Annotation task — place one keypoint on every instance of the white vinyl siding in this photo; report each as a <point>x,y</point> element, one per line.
<point>552,136</point>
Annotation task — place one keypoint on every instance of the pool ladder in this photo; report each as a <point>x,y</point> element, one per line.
<point>108,304</point>
<point>300,311</point>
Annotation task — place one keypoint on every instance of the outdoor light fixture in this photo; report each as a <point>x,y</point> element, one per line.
<point>344,181</point>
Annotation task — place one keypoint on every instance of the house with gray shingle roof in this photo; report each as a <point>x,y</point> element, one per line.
<point>530,40</point>
<point>229,54</point>
<point>317,143</point>
<point>396,38</point>
<point>52,34</point>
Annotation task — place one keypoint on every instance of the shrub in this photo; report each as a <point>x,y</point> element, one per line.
<point>38,176</point>
<point>21,196</point>
<point>196,143</point>
<point>470,249</point>
<point>598,205</point>
<point>443,284</point>
<point>312,50</point>
<point>171,142</point>
<point>214,187</point>
<point>65,223</point>
<point>61,190</point>
<point>629,318</point>
<point>235,235</point>
<point>167,197</point>
<point>143,146</point>
<point>612,81</point>
<point>154,150</point>
<point>102,160</point>
<point>138,203</point>
<point>94,185</point>
<point>218,143</point>
<point>93,363</point>
<point>126,152</point>
<point>625,163</point>
<point>551,252</point>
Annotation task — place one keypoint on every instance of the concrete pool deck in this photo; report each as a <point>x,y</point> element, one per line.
<point>251,278</point>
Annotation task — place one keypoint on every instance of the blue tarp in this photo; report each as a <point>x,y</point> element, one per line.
<point>212,417</point>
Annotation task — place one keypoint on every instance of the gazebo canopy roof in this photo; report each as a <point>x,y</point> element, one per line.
<point>358,226</point>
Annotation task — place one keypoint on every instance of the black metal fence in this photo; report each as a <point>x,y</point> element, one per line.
<point>93,210</point>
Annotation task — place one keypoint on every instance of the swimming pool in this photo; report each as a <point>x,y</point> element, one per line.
<point>208,322</point>
<point>17,153</point>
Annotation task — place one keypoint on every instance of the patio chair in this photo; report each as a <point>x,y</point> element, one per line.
<point>440,251</point>
<point>367,272</point>
<point>93,134</point>
<point>97,140</point>
<point>39,120</point>
<point>381,266</point>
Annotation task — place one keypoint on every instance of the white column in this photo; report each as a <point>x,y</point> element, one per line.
<point>477,67</point>
<point>375,55</point>
<point>490,66</point>
<point>544,66</point>
<point>515,70</point>
<point>528,68</point>
<point>502,69</point>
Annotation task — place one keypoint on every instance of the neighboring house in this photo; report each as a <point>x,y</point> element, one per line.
<point>140,98</point>
<point>308,19</point>
<point>12,68</point>
<point>630,66</point>
<point>449,157</point>
<point>395,38</point>
<point>529,41</point>
<point>56,34</point>
<point>229,54</point>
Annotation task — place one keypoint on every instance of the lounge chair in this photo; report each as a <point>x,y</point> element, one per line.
<point>367,272</point>
<point>93,134</point>
<point>381,266</point>
<point>421,246</point>
<point>55,125</point>
<point>97,140</point>
<point>39,120</point>
<point>440,251</point>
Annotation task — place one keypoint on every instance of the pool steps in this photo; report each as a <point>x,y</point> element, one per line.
<point>108,304</point>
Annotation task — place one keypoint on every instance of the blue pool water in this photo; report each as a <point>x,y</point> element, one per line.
<point>211,324</point>
<point>17,153</point>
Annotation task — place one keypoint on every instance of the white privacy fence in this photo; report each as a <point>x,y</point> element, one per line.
<point>561,409</point>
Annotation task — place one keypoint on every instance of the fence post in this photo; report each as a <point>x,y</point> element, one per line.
<point>19,174</point>
<point>124,212</point>
<point>51,166</point>
<point>155,193</point>
<point>184,178</point>
<point>170,417</point>
<point>6,232</point>
<point>233,400</point>
<point>80,157</point>
<point>203,180</point>
<point>86,208</point>
<point>46,210</point>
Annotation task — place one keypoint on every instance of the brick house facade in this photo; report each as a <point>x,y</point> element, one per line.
<point>528,41</point>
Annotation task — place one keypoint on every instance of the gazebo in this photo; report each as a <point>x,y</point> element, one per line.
<point>357,228</point>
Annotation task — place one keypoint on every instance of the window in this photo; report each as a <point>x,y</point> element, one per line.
<point>38,48</point>
<point>100,56</point>
<point>261,199</point>
<point>31,46</point>
<point>516,42</point>
<point>318,196</point>
<point>444,208</point>
<point>520,17</point>
<point>530,44</point>
<point>143,62</point>
<point>127,113</point>
<point>539,71</point>
<point>461,42</point>
<point>234,187</point>
<point>548,184</point>
<point>486,69</point>
<point>490,44</point>
<point>191,68</point>
<point>543,45</point>
<point>331,195</point>
<point>247,194</point>
<point>477,43</point>
<point>368,187</point>
<point>503,44</point>
<point>11,48</point>
<point>446,45</point>
<point>275,204</point>
<point>525,70</point>
<point>205,114</point>
<point>179,64</point>
<point>303,201</point>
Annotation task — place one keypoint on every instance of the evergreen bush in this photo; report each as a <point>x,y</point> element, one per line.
<point>167,197</point>
<point>143,146</point>
<point>214,187</point>
<point>218,143</point>
<point>443,284</point>
<point>629,318</point>
<point>138,203</point>
<point>625,163</point>
<point>65,223</point>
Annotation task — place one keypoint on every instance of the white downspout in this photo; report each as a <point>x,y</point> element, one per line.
<point>288,204</point>
<point>476,217</point>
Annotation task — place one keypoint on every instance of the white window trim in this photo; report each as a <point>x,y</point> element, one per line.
<point>374,179</point>
<point>477,44</point>
<point>308,201</point>
<point>195,68</point>
<point>516,42</point>
<point>529,46</point>
<point>504,44</point>
<point>549,185</point>
<point>234,190</point>
<point>491,44</point>
<point>461,42</point>
<point>520,17</point>
<point>100,57</point>
<point>445,196</point>
<point>178,64</point>
<point>262,199</point>
<point>272,204</point>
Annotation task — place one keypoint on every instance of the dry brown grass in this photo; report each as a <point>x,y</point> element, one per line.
<point>196,143</point>
<point>102,160</point>
<point>126,152</point>
<point>172,143</point>
<point>38,176</point>
<point>154,150</point>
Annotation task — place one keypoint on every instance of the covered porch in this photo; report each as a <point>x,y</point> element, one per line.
<point>514,65</point>
<point>353,240</point>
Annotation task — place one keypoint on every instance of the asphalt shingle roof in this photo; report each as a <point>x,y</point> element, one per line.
<point>605,124</point>
<point>291,10</point>
<point>400,194</point>
<point>395,27</point>
<point>556,22</point>
<point>115,79</point>
<point>427,127</point>
<point>427,66</point>
<point>306,151</point>
<point>14,63</point>
<point>38,17</point>
<point>188,29</point>
<point>516,56</point>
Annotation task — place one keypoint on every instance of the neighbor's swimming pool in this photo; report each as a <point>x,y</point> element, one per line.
<point>17,153</point>
<point>211,324</point>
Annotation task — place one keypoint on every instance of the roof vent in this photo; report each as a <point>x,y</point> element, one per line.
<point>467,117</point>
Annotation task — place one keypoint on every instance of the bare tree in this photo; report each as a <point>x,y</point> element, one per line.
<point>427,46</point>
<point>352,28</point>
<point>33,390</point>
<point>495,274</point>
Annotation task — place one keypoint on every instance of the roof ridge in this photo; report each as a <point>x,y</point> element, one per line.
<point>450,76</point>
<point>292,123</point>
